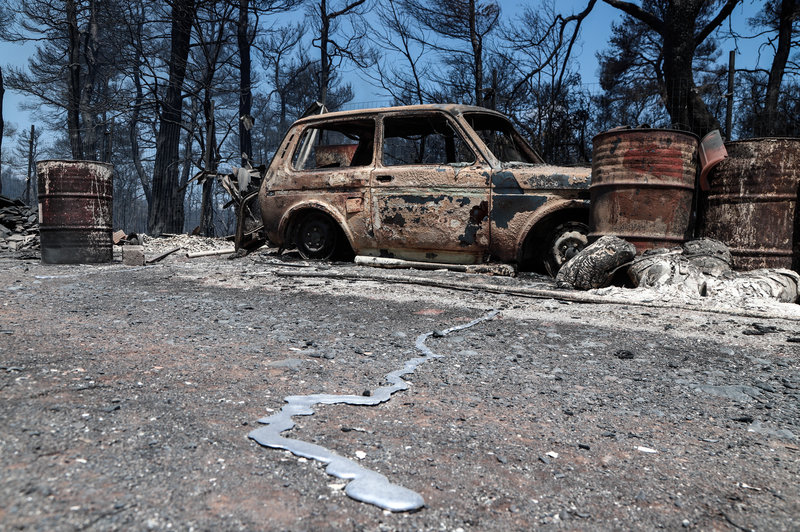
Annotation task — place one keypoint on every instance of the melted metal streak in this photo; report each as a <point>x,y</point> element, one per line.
<point>365,485</point>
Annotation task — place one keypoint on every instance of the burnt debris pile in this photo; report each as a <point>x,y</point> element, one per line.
<point>19,226</point>
<point>699,267</point>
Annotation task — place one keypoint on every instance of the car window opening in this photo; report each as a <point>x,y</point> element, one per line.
<point>502,139</point>
<point>423,141</point>
<point>337,145</point>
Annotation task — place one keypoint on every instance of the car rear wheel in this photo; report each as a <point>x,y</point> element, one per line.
<point>563,243</point>
<point>317,236</point>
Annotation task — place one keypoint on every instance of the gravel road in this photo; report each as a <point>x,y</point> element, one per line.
<point>127,396</point>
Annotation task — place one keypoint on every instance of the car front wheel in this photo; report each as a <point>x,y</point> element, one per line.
<point>563,243</point>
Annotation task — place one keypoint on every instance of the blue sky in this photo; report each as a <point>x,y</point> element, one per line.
<point>596,31</point>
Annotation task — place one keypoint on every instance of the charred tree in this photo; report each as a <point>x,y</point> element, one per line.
<point>166,209</point>
<point>682,26</point>
<point>73,80</point>
<point>464,26</point>
<point>244,41</point>
<point>783,15</point>
<point>404,80</point>
<point>2,128</point>
<point>331,49</point>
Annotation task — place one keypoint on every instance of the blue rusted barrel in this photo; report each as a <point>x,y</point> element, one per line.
<point>643,184</point>
<point>75,209</point>
<point>753,203</point>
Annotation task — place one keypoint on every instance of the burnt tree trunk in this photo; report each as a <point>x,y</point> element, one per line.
<point>87,88</point>
<point>769,115</point>
<point>2,127</point>
<point>166,210</point>
<point>324,66</point>
<point>680,38</point>
<point>326,20</point>
<point>73,80</point>
<point>245,82</point>
<point>207,205</point>
<point>133,133</point>
<point>477,53</point>
<point>138,102</point>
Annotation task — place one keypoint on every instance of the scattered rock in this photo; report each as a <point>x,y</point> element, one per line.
<point>289,363</point>
<point>19,226</point>
<point>736,392</point>
<point>760,428</point>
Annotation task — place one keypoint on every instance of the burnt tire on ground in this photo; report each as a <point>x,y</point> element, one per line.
<point>317,236</point>
<point>562,243</point>
<point>594,266</point>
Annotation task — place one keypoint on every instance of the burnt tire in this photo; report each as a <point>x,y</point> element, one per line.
<point>317,237</point>
<point>562,243</point>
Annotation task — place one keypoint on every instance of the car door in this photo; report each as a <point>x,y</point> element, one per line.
<point>429,191</point>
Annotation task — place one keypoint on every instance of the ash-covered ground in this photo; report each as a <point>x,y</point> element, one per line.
<point>127,394</point>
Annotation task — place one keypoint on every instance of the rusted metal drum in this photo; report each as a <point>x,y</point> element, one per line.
<point>75,208</point>
<point>642,187</point>
<point>752,204</point>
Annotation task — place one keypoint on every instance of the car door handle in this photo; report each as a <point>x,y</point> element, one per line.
<point>384,178</point>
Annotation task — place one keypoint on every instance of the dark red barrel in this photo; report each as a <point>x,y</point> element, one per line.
<point>75,209</point>
<point>643,184</point>
<point>752,204</point>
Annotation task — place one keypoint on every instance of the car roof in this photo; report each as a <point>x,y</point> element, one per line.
<point>450,108</point>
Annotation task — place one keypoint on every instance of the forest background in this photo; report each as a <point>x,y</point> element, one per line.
<point>169,89</point>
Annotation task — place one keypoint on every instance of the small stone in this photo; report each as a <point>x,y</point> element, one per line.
<point>133,255</point>
<point>623,354</point>
<point>765,386</point>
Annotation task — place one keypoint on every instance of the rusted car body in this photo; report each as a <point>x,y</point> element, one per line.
<point>437,183</point>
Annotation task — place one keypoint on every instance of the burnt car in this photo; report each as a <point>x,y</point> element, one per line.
<point>437,183</point>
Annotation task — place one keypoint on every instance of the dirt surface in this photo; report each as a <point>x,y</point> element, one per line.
<point>127,395</point>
